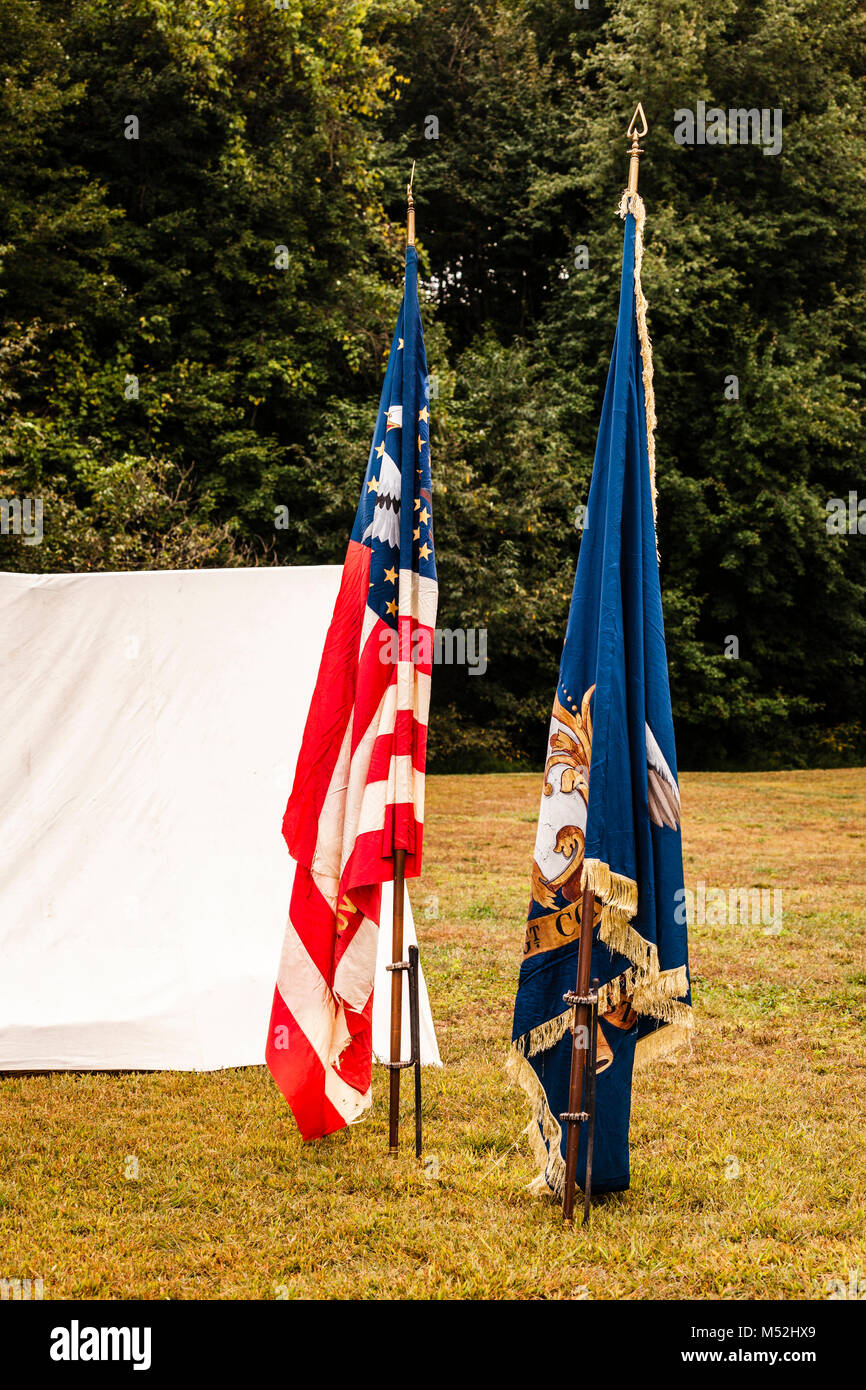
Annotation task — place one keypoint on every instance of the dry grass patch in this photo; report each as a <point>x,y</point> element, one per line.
<point>747,1157</point>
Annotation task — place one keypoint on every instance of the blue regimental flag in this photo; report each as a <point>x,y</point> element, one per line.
<point>610,804</point>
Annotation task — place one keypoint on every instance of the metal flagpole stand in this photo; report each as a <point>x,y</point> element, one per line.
<point>398,964</point>
<point>415,1035</point>
<point>581,1086</point>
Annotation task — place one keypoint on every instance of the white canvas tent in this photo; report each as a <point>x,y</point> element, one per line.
<point>151,723</point>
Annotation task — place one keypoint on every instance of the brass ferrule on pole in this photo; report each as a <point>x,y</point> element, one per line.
<point>410,222</point>
<point>637,132</point>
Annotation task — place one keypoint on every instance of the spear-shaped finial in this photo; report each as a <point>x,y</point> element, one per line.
<point>636,132</point>
<point>410,227</point>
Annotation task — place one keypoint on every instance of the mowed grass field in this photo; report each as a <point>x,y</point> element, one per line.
<point>747,1156</point>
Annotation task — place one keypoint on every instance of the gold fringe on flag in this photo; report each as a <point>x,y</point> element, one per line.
<point>633,203</point>
<point>542,1126</point>
<point>614,890</point>
<point>661,1000</point>
<point>544,1131</point>
<point>653,990</point>
<point>664,1041</point>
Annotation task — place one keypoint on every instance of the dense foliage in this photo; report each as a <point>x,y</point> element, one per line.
<point>193,322</point>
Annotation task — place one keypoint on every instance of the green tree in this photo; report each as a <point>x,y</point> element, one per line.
<point>158,158</point>
<point>753,269</point>
<point>170,377</point>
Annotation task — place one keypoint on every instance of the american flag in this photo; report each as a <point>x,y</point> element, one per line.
<point>358,793</point>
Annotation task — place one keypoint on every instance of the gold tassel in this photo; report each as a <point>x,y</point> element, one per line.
<point>610,994</point>
<point>617,932</point>
<point>546,1035</point>
<point>633,203</point>
<point>548,1160</point>
<point>661,995</point>
<point>653,990</point>
<point>614,889</point>
<point>665,1041</point>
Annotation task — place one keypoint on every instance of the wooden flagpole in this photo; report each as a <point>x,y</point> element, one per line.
<point>579,1054</point>
<point>399,885</point>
